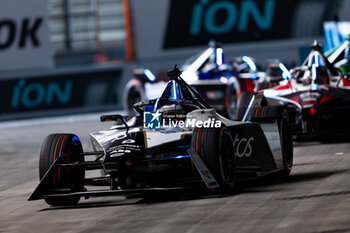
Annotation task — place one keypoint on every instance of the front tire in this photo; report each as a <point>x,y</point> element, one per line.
<point>69,146</point>
<point>215,147</point>
<point>286,142</point>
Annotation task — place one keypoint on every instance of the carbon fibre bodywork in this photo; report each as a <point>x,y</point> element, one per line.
<point>138,159</point>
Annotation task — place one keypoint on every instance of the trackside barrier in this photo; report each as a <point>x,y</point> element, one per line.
<point>57,93</point>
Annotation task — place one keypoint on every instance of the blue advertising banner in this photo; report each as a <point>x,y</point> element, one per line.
<point>89,90</point>
<point>228,21</point>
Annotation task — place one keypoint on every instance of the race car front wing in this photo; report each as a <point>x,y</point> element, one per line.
<point>41,191</point>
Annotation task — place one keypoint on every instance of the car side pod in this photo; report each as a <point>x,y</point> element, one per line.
<point>203,170</point>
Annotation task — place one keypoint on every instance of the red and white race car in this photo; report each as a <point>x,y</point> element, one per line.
<point>320,91</point>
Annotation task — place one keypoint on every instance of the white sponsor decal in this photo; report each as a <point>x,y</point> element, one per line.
<point>119,137</point>
<point>116,154</point>
<point>243,146</point>
<point>128,141</point>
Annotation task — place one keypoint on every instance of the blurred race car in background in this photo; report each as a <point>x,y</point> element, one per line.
<point>140,154</point>
<point>143,86</point>
<point>275,72</point>
<point>220,82</point>
<point>322,93</point>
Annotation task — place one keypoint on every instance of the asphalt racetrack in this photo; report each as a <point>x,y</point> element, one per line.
<point>315,198</point>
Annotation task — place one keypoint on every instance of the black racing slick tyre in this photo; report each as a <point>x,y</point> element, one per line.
<point>133,93</point>
<point>286,142</point>
<point>69,148</point>
<point>215,147</point>
<point>231,101</point>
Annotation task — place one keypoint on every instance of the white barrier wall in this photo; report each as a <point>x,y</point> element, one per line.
<point>24,35</point>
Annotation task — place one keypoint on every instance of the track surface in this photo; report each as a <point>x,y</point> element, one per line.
<point>315,198</point>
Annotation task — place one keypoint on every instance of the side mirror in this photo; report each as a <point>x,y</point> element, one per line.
<point>140,105</point>
<point>116,117</point>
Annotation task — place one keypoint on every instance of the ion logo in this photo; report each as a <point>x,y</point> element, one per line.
<point>35,94</point>
<point>205,14</point>
<point>227,21</point>
<point>242,146</point>
<point>151,120</point>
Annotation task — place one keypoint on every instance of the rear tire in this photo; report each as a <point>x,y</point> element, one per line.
<point>54,146</point>
<point>286,142</point>
<point>232,100</point>
<point>242,104</point>
<point>215,147</point>
<point>133,93</point>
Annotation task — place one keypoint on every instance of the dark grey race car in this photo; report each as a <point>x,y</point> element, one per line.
<point>176,141</point>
